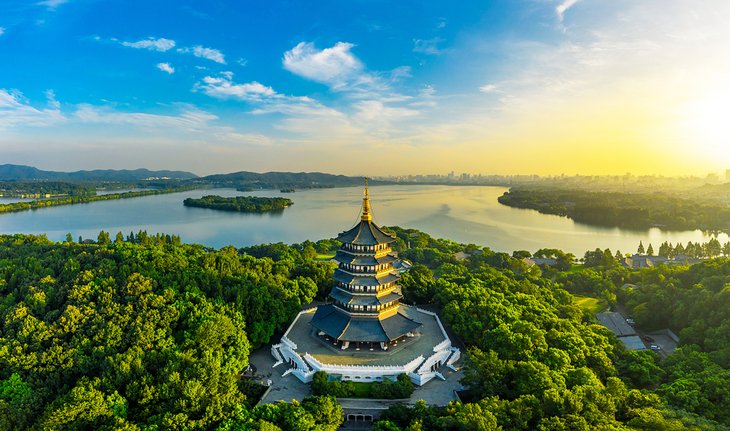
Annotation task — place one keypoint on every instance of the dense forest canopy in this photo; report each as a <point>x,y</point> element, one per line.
<point>143,332</point>
<point>621,209</point>
<point>41,188</point>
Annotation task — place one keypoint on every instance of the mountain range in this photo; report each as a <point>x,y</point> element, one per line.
<point>10,172</point>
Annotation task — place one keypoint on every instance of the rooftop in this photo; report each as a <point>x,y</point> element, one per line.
<point>307,341</point>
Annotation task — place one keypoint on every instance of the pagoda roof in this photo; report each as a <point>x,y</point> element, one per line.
<point>345,297</point>
<point>366,280</point>
<point>365,233</point>
<point>354,259</point>
<point>340,325</point>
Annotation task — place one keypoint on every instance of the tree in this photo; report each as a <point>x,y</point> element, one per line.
<point>521,254</point>
<point>714,248</point>
<point>650,250</point>
<point>103,238</point>
<point>69,238</point>
<point>640,250</point>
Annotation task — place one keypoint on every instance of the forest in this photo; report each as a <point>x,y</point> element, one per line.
<point>625,210</point>
<point>141,332</point>
<point>40,188</point>
<point>243,204</point>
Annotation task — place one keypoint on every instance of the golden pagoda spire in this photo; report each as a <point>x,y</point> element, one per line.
<point>366,215</point>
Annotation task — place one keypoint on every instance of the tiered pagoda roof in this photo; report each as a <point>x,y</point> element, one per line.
<point>366,299</point>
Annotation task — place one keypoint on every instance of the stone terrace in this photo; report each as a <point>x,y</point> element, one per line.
<point>304,336</point>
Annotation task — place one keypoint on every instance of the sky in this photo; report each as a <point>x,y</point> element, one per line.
<point>367,87</point>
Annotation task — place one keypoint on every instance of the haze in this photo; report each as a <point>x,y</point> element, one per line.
<point>531,86</point>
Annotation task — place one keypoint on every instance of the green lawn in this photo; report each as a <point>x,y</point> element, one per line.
<point>590,305</point>
<point>325,256</point>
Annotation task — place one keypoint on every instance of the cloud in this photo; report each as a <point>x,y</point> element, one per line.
<point>15,110</point>
<point>152,44</point>
<point>334,66</point>
<point>246,138</point>
<point>563,7</point>
<point>400,72</point>
<point>375,111</point>
<point>189,119</point>
<point>489,88</point>
<point>2,31</point>
<point>165,67</point>
<point>52,4</point>
<point>211,54</point>
<point>223,87</point>
<point>52,102</point>
<point>427,46</point>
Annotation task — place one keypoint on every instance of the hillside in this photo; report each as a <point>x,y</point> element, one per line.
<point>276,180</point>
<point>9,172</point>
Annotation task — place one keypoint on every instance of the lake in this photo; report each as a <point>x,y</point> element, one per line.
<point>468,214</point>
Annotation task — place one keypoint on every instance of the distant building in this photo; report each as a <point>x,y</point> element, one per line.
<point>547,261</point>
<point>644,261</point>
<point>682,259</point>
<point>461,255</point>
<point>623,331</point>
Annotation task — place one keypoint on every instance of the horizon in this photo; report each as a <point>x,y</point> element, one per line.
<point>707,175</point>
<point>533,87</point>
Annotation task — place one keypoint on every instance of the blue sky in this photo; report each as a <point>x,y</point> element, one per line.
<point>364,87</point>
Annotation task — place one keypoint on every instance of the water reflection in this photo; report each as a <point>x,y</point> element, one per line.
<point>466,214</point>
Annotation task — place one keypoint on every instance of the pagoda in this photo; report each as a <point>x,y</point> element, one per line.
<point>366,308</point>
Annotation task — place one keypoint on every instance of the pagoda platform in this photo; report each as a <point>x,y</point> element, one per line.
<point>305,351</point>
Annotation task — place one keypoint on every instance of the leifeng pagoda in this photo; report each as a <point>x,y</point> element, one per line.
<point>365,308</point>
<point>364,333</point>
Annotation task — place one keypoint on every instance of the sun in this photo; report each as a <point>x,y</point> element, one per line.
<point>705,124</point>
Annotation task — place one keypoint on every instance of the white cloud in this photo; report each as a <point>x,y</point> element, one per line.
<point>189,119</point>
<point>52,102</point>
<point>375,111</point>
<point>489,88</point>
<point>400,72</point>
<point>223,87</point>
<point>211,54</point>
<point>333,66</point>
<point>166,67</point>
<point>152,44</point>
<point>15,110</point>
<point>427,46</point>
<point>245,138</point>
<point>563,7</point>
<point>52,4</point>
<point>2,31</point>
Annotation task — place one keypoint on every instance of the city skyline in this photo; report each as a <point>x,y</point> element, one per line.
<point>532,86</point>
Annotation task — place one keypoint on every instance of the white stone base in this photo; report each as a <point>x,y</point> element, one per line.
<point>420,369</point>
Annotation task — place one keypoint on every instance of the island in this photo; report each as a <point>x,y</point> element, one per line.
<point>244,204</point>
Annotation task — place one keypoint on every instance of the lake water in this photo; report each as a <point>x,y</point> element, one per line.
<point>465,214</point>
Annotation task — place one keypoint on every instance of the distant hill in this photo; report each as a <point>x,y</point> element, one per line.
<point>278,180</point>
<point>20,172</point>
